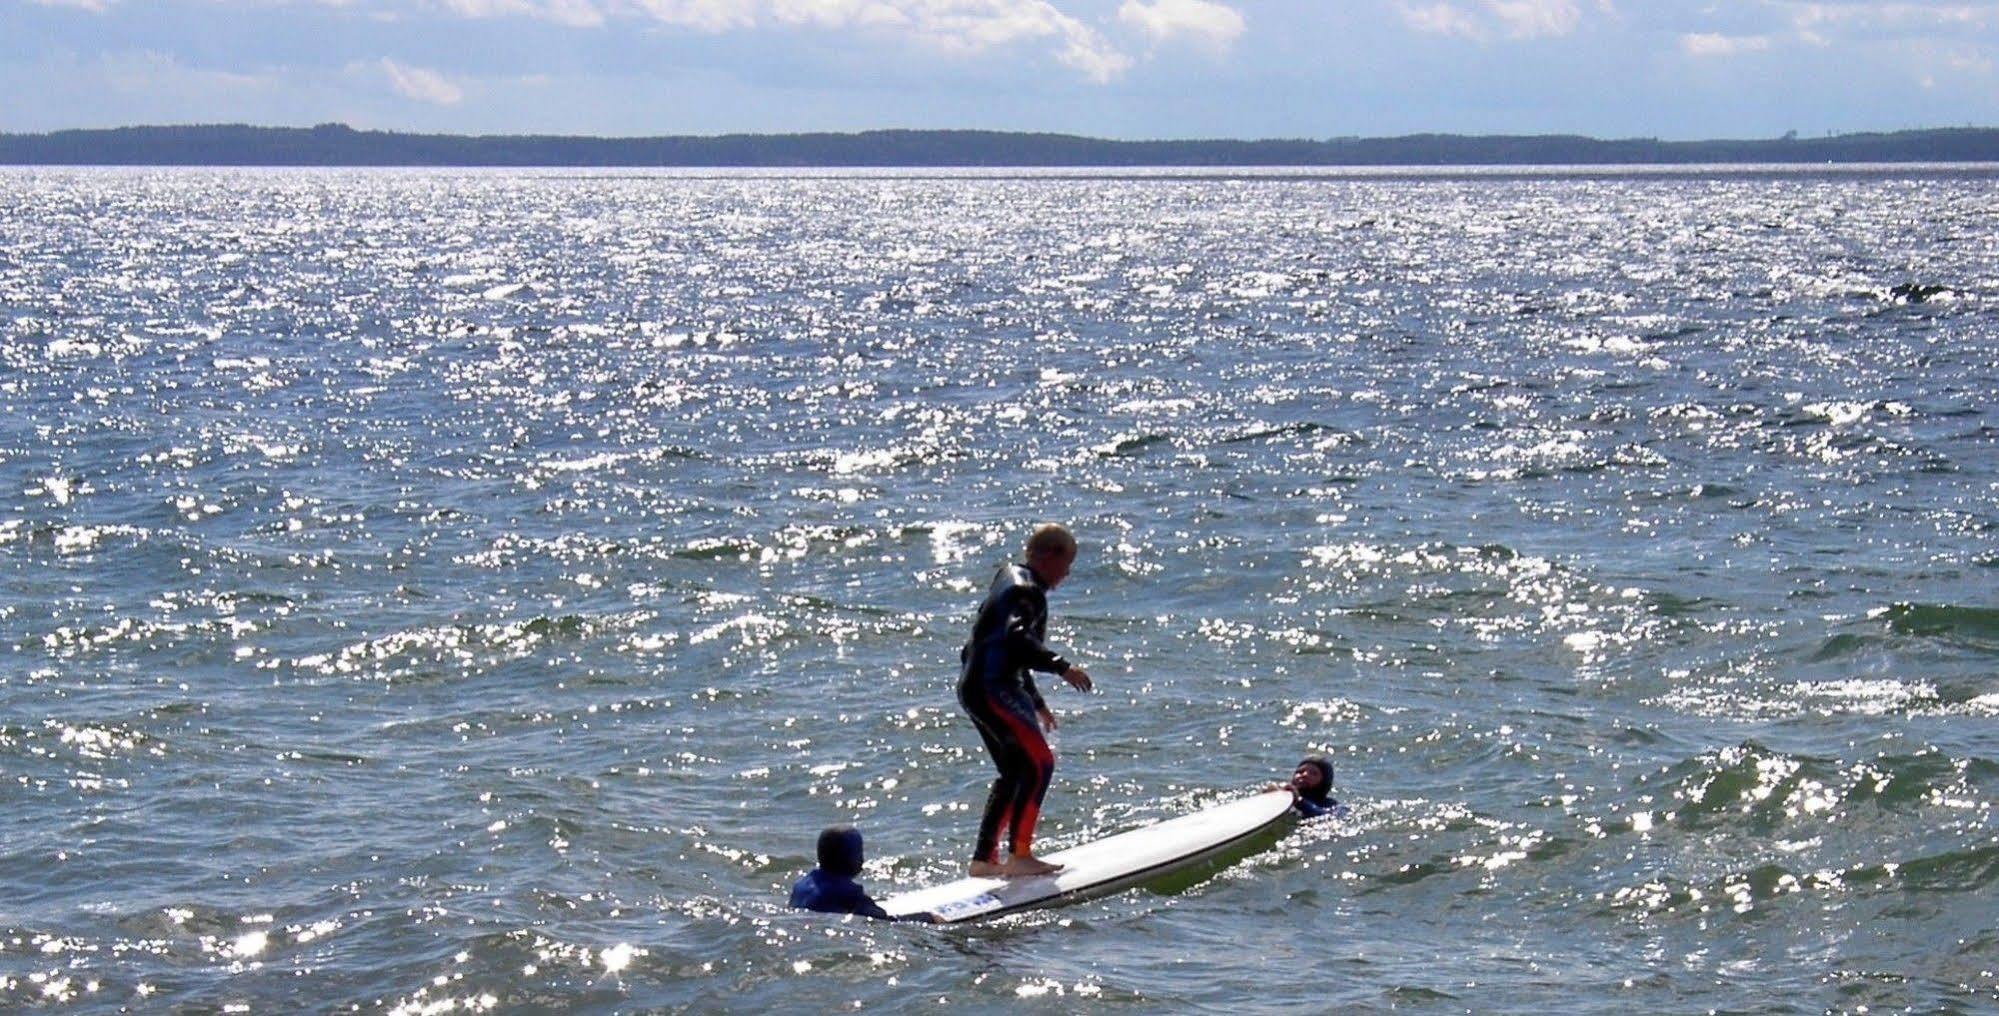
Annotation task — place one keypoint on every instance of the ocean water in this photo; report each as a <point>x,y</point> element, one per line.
<point>472,591</point>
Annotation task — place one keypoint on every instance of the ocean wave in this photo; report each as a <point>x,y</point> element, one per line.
<point>1750,791</point>
<point>1131,445</point>
<point>440,652</point>
<point>1973,627</point>
<point>1728,697</point>
<point>1270,432</point>
<point>139,634</point>
<point>1954,873</point>
<point>1903,626</point>
<point>1750,787</point>
<point>67,539</point>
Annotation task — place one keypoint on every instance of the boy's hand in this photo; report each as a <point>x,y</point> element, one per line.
<point>1078,678</point>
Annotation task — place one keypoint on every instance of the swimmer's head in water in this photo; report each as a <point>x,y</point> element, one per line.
<point>1313,778</point>
<point>840,850</point>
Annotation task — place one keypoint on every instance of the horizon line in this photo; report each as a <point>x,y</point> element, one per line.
<point>335,126</point>
<point>337,144</point>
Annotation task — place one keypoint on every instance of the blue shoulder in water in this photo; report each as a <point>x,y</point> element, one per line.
<point>828,893</point>
<point>1308,808</point>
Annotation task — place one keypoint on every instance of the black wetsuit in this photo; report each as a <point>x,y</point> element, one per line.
<point>1308,807</point>
<point>996,687</point>
<point>828,893</point>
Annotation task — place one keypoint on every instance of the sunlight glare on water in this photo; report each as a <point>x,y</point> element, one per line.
<point>473,591</point>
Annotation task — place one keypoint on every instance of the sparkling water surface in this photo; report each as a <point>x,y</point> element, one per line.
<point>462,591</point>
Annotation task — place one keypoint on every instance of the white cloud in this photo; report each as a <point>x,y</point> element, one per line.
<point>1440,19</point>
<point>1809,18</point>
<point>700,15</point>
<point>1211,26</point>
<point>1536,19</point>
<point>953,27</point>
<point>1969,63</point>
<point>1841,25</point>
<point>574,13</point>
<point>421,85</point>
<point>580,13</point>
<point>1514,19</point>
<point>1953,66</point>
<point>974,25</point>
<point>1093,58</point>
<point>149,72</point>
<point>840,13</point>
<point>1712,44</point>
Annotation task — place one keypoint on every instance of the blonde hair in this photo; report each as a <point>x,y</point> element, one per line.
<point>1051,538</point>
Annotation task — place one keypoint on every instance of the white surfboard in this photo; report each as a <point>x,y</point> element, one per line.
<point>1103,866</point>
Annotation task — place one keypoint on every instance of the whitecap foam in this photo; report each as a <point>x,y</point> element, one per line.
<point>952,542</point>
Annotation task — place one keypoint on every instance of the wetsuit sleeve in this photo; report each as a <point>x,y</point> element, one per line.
<point>855,900</point>
<point>1028,615</point>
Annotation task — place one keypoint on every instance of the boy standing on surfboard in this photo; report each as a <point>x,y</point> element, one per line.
<point>996,686</point>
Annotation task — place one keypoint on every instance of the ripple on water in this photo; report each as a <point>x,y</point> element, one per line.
<point>473,590</point>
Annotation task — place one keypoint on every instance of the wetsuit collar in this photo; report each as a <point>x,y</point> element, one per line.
<point>1035,575</point>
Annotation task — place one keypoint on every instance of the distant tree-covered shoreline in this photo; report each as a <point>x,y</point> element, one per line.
<point>339,145</point>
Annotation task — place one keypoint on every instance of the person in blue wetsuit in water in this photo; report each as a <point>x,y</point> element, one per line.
<point>996,687</point>
<point>830,888</point>
<point>1311,786</point>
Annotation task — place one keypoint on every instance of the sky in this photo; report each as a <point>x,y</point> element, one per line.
<point>1106,68</point>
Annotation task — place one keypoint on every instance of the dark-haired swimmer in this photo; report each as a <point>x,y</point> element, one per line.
<point>830,888</point>
<point>996,687</point>
<point>1311,786</point>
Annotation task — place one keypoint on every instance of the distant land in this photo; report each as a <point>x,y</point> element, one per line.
<point>340,145</point>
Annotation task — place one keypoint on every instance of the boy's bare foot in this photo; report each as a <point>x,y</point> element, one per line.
<point>985,869</point>
<point>1028,866</point>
